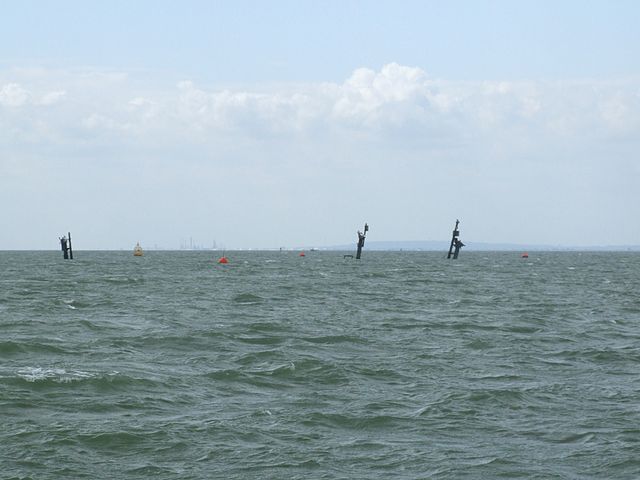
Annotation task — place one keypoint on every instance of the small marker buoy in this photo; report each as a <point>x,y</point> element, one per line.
<point>525,255</point>
<point>302,254</point>
<point>223,259</point>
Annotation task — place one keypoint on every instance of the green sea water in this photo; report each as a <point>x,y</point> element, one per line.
<point>402,365</point>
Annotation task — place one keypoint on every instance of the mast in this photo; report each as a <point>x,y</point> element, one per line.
<point>361,238</point>
<point>65,245</point>
<point>456,244</point>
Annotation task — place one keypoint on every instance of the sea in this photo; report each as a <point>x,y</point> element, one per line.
<point>400,365</point>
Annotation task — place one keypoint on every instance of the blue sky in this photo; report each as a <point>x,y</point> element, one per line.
<point>267,124</point>
<point>284,41</point>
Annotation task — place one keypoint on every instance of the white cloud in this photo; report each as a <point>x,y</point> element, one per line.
<point>140,102</point>
<point>292,148</point>
<point>372,102</point>
<point>13,95</point>
<point>51,98</point>
<point>621,112</point>
<point>397,104</point>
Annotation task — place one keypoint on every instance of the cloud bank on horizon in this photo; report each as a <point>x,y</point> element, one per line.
<point>368,101</point>
<point>118,157</point>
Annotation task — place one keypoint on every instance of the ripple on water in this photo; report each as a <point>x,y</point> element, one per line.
<point>247,299</point>
<point>403,365</point>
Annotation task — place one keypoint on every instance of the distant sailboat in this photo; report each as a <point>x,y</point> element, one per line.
<point>137,251</point>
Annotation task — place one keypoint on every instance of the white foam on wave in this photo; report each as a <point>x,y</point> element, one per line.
<point>61,375</point>
<point>69,303</point>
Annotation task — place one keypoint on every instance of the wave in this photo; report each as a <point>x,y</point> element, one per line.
<point>58,375</point>
<point>14,347</point>
<point>112,440</point>
<point>268,327</point>
<point>334,339</point>
<point>305,371</point>
<point>123,280</point>
<point>247,299</point>
<point>353,421</point>
<point>44,377</point>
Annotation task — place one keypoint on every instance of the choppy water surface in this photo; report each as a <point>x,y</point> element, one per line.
<point>401,365</point>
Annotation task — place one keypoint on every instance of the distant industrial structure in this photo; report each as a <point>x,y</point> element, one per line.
<point>192,245</point>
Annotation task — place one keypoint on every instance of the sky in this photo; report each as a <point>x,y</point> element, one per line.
<point>292,123</point>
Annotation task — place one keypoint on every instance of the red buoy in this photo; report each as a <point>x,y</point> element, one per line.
<point>525,255</point>
<point>302,254</point>
<point>223,259</point>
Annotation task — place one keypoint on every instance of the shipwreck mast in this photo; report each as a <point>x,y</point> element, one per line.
<point>65,245</point>
<point>456,244</point>
<point>361,238</point>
